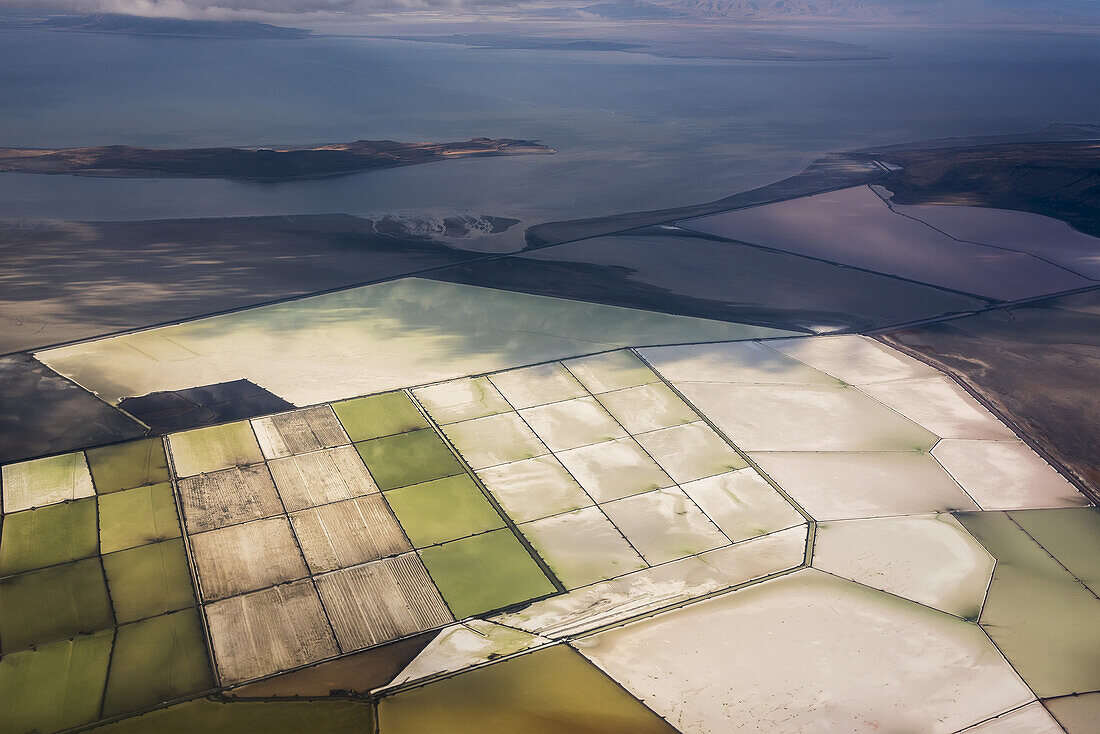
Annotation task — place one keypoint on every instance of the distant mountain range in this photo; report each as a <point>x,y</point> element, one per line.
<point>769,9</point>
<point>141,26</point>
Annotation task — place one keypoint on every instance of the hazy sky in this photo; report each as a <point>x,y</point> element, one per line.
<point>235,8</point>
<point>993,11</point>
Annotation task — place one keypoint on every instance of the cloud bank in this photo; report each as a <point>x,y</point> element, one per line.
<point>225,9</point>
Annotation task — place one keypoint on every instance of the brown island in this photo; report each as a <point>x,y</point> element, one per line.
<point>251,164</point>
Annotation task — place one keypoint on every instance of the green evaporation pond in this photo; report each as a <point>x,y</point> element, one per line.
<point>1072,535</point>
<point>126,465</point>
<point>42,482</point>
<point>48,536</point>
<point>1040,616</point>
<point>158,659</point>
<point>54,603</point>
<point>408,458</point>
<point>215,447</point>
<point>54,686</point>
<point>550,691</point>
<point>379,415</point>
<point>442,510</point>
<point>139,516</point>
<point>241,717</point>
<point>149,580</point>
<point>485,572</point>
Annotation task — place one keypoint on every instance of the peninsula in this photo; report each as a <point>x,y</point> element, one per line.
<point>251,164</point>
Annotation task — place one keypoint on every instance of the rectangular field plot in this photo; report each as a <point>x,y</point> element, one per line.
<point>379,415</point>
<point>742,504</point>
<point>138,516</point>
<point>54,686</point>
<point>582,547</point>
<point>461,400</point>
<point>47,536</point>
<point>443,509</point>
<point>408,458</point>
<point>246,557</point>
<point>156,660</point>
<point>614,469</point>
<point>538,385</point>
<point>485,572</point>
<point>497,439</point>
<point>298,432</point>
<point>348,533</point>
<point>54,603</point>
<point>45,482</point>
<point>647,408</point>
<point>149,580</point>
<point>572,423</point>
<point>126,465</point>
<point>228,497</point>
<point>381,601</point>
<point>664,525</point>
<point>217,447</point>
<point>610,371</point>
<point>534,488</point>
<point>691,451</point>
<point>267,631</point>
<point>321,477</point>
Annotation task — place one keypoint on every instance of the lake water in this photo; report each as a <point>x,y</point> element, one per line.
<point>634,132</point>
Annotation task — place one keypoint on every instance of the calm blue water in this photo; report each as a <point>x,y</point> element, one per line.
<point>633,132</point>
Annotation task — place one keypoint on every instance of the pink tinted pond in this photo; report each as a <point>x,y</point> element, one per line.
<point>855,227</point>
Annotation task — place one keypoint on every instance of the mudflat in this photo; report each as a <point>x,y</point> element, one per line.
<point>1036,364</point>
<point>1055,179</point>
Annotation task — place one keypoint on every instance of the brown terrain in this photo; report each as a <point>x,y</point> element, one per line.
<point>251,164</point>
<point>1037,365</point>
<point>1055,179</point>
